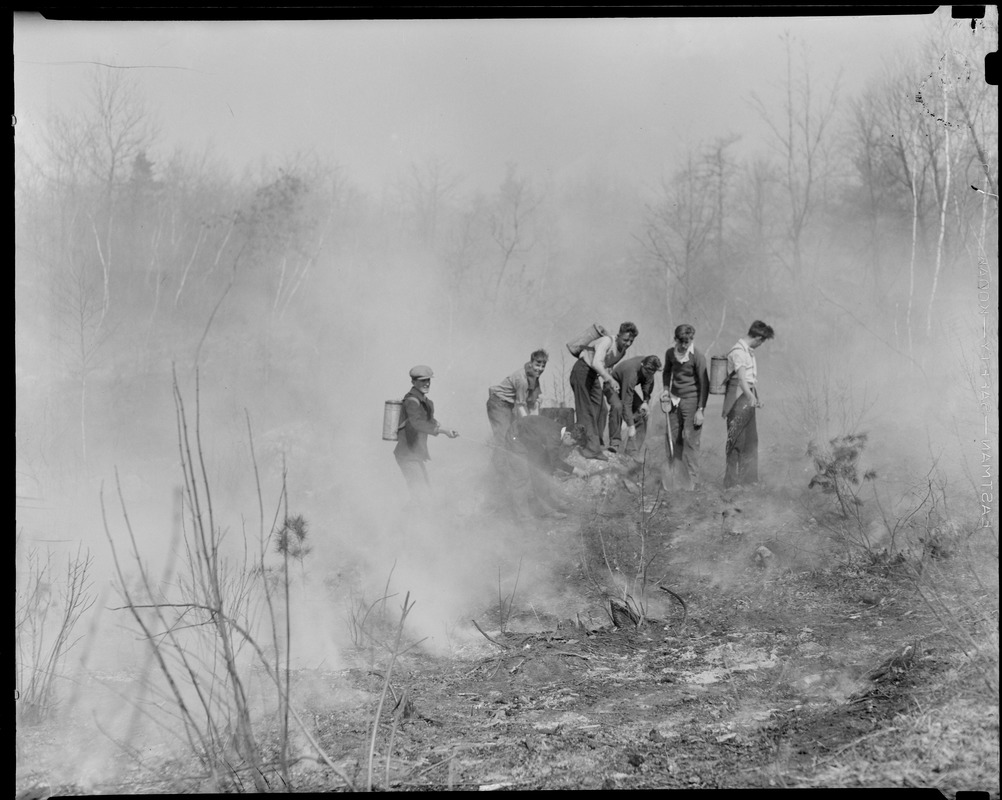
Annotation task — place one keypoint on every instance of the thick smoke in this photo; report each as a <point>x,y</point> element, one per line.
<point>296,301</point>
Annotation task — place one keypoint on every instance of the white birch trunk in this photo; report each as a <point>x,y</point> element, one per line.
<point>942,210</point>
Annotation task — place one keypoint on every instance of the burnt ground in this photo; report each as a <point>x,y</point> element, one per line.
<point>691,640</point>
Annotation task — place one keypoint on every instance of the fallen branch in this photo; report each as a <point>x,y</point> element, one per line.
<point>569,653</point>
<point>488,638</point>
<point>855,742</point>
<point>518,666</point>
<point>685,611</point>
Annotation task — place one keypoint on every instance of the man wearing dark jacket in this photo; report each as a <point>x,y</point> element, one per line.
<point>686,387</point>
<point>535,450</point>
<point>417,423</point>
<point>631,404</point>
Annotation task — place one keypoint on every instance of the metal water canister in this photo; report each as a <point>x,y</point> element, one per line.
<point>718,375</point>
<point>391,419</point>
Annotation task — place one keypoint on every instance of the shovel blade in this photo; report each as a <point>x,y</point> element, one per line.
<point>667,477</point>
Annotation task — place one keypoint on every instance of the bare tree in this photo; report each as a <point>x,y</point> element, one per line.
<point>678,233</point>
<point>82,331</point>
<point>281,230</point>
<point>117,128</point>
<point>429,188</point>
<point>721,169</point>
<point>894,162</point>
<point>952,100</point>
<point>510,222</point>
<point>801,138</point>
<point>866,154</point>
<point>756,212</point>
<point>466,244</point>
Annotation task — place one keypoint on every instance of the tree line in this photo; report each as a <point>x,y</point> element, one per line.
<point>870,208</point>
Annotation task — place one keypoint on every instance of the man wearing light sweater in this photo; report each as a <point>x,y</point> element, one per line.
<point>686,385</point>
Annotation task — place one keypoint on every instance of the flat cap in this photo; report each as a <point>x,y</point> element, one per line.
<point>421,371</point>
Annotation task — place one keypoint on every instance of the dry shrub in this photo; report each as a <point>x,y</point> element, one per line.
<point>48,607</point>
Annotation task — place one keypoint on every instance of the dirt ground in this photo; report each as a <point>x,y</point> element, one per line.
<point>692,640</point>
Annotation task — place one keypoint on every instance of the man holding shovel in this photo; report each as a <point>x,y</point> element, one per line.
<point>686,390</point>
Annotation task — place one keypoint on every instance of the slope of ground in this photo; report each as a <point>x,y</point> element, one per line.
<point>700,639</point>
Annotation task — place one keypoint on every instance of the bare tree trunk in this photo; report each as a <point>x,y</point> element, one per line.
<point>911,270</point>
<point>943,205</point>
<point>187,268</point>
<point>105,269</point>
<point>83,417</point>
<point>911,263</point>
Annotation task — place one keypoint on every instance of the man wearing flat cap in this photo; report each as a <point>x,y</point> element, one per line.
<point>417,422</point>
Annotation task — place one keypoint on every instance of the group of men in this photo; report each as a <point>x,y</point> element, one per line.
<point>606,384</point>
<point>612,398</point>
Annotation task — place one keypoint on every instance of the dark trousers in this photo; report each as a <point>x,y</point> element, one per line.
<point>587,389</point>
<point>742,445</point>
<point>528,482</point>
<point>616,418</point>
<point>604,428</point>
<point>501,415</point>
<point>682,438</point>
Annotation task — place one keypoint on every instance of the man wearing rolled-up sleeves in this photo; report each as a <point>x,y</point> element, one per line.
<point>591,381</point>
<point>740,403</point>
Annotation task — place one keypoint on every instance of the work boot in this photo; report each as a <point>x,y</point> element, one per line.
<point>599,456</point>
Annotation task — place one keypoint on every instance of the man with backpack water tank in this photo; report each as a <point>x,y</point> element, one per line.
<point>740,402</point>
<point>591,379</point>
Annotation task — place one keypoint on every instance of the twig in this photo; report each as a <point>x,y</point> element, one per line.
<point>505,615</point>
<point>518,666</point>
<point>685,611</point>
<point>497,667</point>
<point>569,653</point>
<point>401,711</point>
<point>386,683</point>
<point>488,638</point>
<point>855,742</point>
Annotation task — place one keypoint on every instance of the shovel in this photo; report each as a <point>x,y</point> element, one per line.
<point>668,468</point>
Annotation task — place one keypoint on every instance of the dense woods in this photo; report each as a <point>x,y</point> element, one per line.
<point>866,213</point>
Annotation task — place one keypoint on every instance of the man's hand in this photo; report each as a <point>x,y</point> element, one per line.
<point>644,410</point>
<point>698,419</point>
<point>631,431</point>
<point>451,433</point>
<point>613,385</point>
<point>665,396</point>
<point>578,472</point>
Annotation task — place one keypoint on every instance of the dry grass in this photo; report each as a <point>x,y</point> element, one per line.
<point>952,747</point>
<point>949,737</point>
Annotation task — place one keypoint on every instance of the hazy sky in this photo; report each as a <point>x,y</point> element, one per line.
<point>553,96</point>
